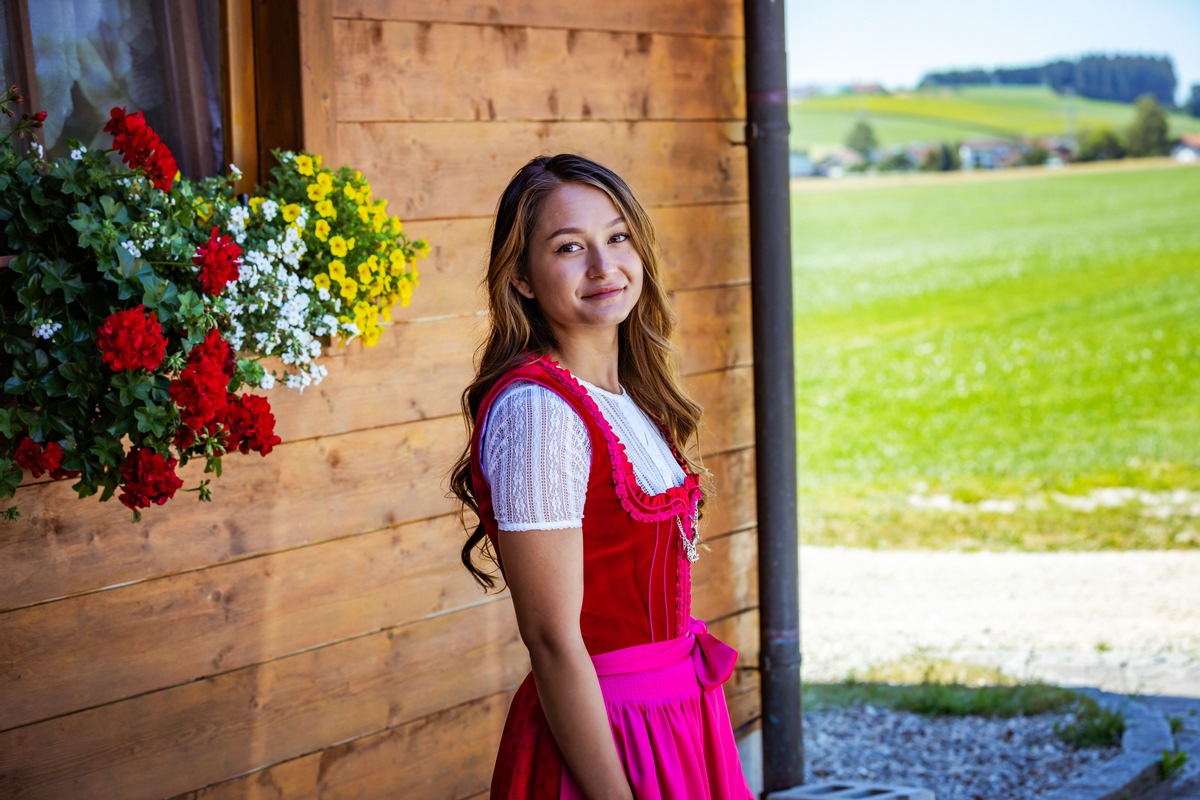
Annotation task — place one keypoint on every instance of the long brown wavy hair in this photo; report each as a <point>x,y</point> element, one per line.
<point>646,363</point>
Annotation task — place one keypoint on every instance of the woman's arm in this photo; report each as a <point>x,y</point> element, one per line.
<point>544,570</point>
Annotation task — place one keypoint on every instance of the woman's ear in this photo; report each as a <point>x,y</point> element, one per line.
<point>521,284</point>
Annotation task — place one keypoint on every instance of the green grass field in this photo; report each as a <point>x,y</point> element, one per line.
<point>820,124</point>
<point>1001,339</point>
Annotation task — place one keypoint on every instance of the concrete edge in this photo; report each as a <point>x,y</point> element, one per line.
<point>1133,772</point>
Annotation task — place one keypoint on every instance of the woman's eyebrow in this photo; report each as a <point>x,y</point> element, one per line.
<point>561,231</point>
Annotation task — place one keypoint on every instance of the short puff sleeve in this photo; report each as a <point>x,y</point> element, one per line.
<point>536,457</point>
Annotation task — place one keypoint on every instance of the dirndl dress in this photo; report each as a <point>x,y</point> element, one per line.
<point>660,671</point>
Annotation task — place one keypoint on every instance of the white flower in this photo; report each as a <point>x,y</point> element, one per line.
<point>77,153</point>
<point>234,171</point>
<point>46,330</point>
<point>267,382</point>
<point>149,243</point>
<point>132,248</point>
<point>294,382</point>
<point>270,208</point>
<point>41,151</point>
<point>237,218</point>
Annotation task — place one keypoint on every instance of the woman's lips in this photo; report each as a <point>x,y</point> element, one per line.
<point>604,293</point>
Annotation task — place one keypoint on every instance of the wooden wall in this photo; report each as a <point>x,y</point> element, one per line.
<point>311,633</point>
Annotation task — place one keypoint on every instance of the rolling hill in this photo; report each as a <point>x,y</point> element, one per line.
<point>820,124</point>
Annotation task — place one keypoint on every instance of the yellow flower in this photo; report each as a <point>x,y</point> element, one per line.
<point>315,192</point>
<point>372,336</point>
<point>422,247</point>
<point>202,210</point>
<point>350,243</point>
<point>372,263</point>
<point>397,226</point>
<point>325,180</point>
<point>322,281</point>
<point>337,246</point>
<point>350,192</point>
<point>304,165</point>
<point>364,273</point>
<point>349,288</point>
<point>386,311</point>
<point>337,270</point>
<point>255,202</point>
<point>290,212</point>
<point>321,229</point>
<point>364,213</point>
<point>375,289</point>
<point>325,209</point>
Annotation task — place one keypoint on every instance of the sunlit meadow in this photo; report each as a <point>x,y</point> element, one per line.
<point>1000,362</point>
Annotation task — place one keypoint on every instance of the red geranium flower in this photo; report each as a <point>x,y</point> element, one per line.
<point>149,479</point>
<point>141,148</point>
<point>131,339</point>
<point>29,457</point>
<point>201,390</point>
<point>218,260</point>
<point>251,424</point>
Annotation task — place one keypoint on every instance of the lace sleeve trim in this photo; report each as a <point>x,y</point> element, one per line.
<point>536,457</point>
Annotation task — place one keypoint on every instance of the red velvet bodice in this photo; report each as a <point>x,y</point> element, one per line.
<point>636,576</point>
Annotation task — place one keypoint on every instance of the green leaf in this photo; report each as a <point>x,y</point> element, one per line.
<point>9,427</point>
<point>153,419</point>
<point>133,387</point>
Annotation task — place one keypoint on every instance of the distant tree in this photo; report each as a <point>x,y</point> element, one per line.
<point>861,139</point>
<point>1193,103</point>
<point>896,162</point>
<point>1148,133</point>
<point>943,158</point>
<point>1102,144</point>
<point>1034,156</point>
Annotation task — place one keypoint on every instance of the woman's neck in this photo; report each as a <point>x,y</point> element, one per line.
<point>593,359</point>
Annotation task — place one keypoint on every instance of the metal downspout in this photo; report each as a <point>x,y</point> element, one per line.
<point>774,394</point>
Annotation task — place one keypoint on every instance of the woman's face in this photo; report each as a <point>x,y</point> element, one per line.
<point>584,271</point>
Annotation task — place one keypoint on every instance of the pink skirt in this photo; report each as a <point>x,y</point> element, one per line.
<point>669,722</point>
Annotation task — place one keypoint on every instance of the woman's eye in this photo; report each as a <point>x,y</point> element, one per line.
<point>569,247</point>
<point>619,237</point>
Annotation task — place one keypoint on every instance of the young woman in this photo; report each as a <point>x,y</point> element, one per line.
<point>587,505</point>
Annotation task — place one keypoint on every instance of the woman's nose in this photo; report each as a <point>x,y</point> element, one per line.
<point>599,262</point>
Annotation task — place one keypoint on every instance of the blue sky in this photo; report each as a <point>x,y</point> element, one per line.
<point>895,42</point>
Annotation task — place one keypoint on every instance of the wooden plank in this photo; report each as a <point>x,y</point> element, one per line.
<point>417,371</point>
<point>304,492</point>
<point>374,387</point>
<point>725,581</point>
<point>400,71</point>
<point>238,101</point>
<point>743,695</point>
<point>73,654</point>
<point>428,758</point>
<point>701,246</point>
<point>714,328</point>
<point>727,397</point>
<point>733,503</point>
<point>740,631</point>
<point>458,169</point>
<point>716,17</point>
<point>197,734</point>
<point>318,92</point>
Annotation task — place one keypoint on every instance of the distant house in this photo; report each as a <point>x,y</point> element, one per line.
<point>1187,150</point>
<point>989,154</point>
<point>800,165</point>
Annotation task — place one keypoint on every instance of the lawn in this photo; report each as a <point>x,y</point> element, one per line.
<point>821,123</point>
<point>1000,362</point>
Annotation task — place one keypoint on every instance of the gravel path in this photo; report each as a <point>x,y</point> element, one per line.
<point>1126,622</point>
<point>1120,621</point>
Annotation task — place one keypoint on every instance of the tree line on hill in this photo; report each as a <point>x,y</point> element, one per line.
<point>1119,78</point>
<point>1147,135</point>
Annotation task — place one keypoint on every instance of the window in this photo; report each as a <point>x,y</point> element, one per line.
<point>222,81</point>
<point>162,58</point>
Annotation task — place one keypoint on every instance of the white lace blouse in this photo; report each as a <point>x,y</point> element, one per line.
<point>536,455</point>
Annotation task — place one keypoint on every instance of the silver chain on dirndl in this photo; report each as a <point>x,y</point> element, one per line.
<point>689,545</point>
